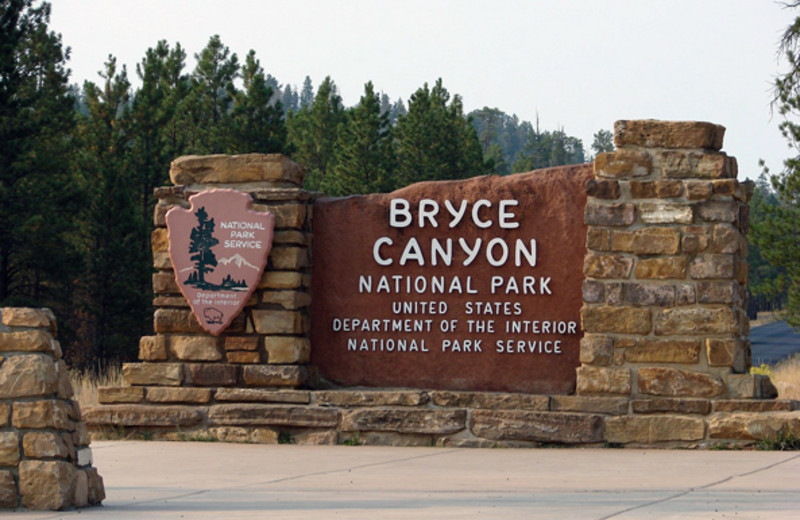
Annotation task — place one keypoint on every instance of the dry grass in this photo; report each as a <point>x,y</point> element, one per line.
<point>85,384</point>
<point>786,377</point>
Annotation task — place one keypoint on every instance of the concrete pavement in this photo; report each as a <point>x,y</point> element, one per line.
<point>229,481</point>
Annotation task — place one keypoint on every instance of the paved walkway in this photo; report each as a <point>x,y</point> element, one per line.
<point>223,481</point>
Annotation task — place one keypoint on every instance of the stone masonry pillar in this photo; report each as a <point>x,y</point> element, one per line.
<point>267,345</point>
<point>665,273</point>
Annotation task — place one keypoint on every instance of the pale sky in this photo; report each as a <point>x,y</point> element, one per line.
<point>578,64</point>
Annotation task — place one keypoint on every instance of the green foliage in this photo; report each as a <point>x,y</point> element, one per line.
<point>768,286</point>
<point>434,139</point>
<point>546,149</point>
<point>603,141</point>
<point>39,193</point>
<point>364,158</point>
<point>778,237</point>
<point>763,370</point>
<point>785,440</point>
<point>313,132</point>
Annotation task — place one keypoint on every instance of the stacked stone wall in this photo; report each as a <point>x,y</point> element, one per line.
<point>45,459</point>
<point>267,344</point>
<point>665,269</point>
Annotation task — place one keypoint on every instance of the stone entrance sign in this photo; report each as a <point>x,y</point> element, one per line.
<point>218,249</point>
<point>464,285</point>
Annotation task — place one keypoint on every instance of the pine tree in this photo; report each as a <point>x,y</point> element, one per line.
<point>39,193</point>
<point>289,100</point>
<point>307,93</point>
<point>434,139</point>
<point>364,158</point>
<point>603,141</point>
<point>778,236</point>
<point>313,131</point>
<point>257,117</point>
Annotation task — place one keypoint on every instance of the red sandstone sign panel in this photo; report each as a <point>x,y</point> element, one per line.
<point>218,249</point>
<point>460,285</point>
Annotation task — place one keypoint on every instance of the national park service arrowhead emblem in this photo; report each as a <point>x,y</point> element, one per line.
<point>218,249</point>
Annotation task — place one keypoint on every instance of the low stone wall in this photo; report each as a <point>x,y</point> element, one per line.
<point>445,418</point>
<point>45,459</point>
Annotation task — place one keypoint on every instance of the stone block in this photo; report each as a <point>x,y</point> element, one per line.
<point>623,320</point>
<point>694,165</point>
<point>754,426</point>
<point>371,398</point>
<point>274,375</point>
<point>153,348</point>
<point>556,427</point>
<point>156,374</point>
<point>243,357</point>
<point>654,428</point>
<point>280,280</point>
<point>43,413</point>
<point>656,189</point>
<point>164,283</point>
<point>404,420</point>
<point>671,382</point>
<point>661,405</point>
<point>596,380</point>
<point>291,216</point>
<point>26,341</point>
<point>751,386</point>
<point>726,239</point>
<point>194,348</point>
<point>598,239</point>
<point>577,403</point>
<point>694,321</point>
<point>685,351</point>
<point>28,317</point>
<point>260,395</point>
<point>622,164</point>
<point>8,490</point>
<point>662,268</point>
<point>596,349</point>
<point>41,445</point>
<point>491,401</point>
<point>210,374</point>
<point>593,291</point>
<point>250,414</point>
<point>699,190</point>
<point>729,292</point>
<point>9,449</point>
<point>241,342</point>
<point>718,211</point>
<point>614,294</point>
<point>249,435</point>
<point>120,394</point>
<point>612,215</point>
<point>251,167</point>
<point>173,395</point>
<point>269,321</point>
<point>290,300</point>
<point>5,414</point>
<point>648,241</point>
<point>28,375</point>
<point>47,484</point>
<point>287,349</point>
<point>96,493</point>
<point>724,352</point>
<point>647,294</point>
<point>134,415</point>
<point>695,240</point>
<point>607,266</point>
<point>651,133</point>
<point>290,236</point>
<point>176,321</point>
<point>159,240</point>
<point>602,189</point>
<point>161,260</point>
<point>288,258</point>
<point>755,406</point>
<point>665,213</point>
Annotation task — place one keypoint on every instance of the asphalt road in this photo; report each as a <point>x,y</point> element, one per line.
<point>773,342</point>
